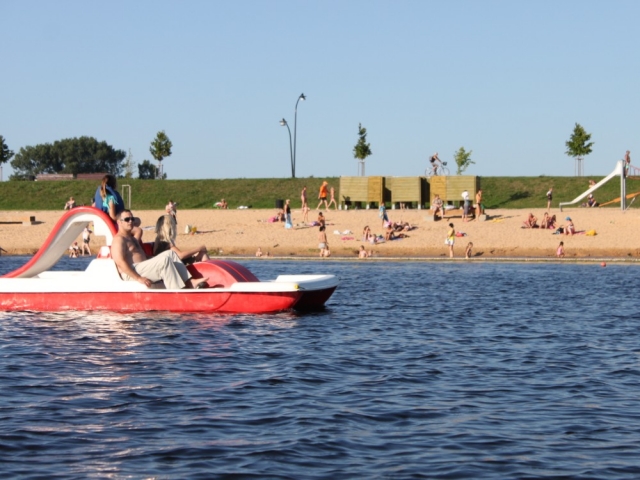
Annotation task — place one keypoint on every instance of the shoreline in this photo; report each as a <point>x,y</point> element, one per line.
<point>238,233</point>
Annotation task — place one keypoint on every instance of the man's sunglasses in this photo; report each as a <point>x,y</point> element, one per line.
<point>127,219</point>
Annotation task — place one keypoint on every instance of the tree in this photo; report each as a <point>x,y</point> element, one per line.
<point>5,154</point>
<point>578,146</point>
<point>129,165</point>
<point>463,159</point>
<point>161,149</point>
<point>362,149</point>
<point>70,155</point>
<point>147,171</point>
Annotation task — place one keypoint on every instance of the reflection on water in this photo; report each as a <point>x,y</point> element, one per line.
<point>414,370</point>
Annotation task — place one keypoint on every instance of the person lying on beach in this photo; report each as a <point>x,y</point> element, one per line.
<point>369,236</point>
<point>569,229</point>
<point>531,221</point>
<point>402,226</point>
<point>391,234</point>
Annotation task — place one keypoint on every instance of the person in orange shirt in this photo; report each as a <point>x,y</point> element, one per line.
<point>323,195</point>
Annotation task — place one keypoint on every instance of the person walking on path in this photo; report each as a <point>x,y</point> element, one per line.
<point>451,238</point>
<point>549,198</point>
<point>332,192</point>
<point>382,213</point>
<point>323,195</point>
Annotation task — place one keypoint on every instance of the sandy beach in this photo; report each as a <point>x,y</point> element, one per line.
<point>241,232</point>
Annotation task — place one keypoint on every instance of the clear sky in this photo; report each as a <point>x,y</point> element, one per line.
<point>507,79</point>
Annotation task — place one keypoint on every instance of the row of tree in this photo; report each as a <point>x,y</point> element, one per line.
<point>578,146</point>
<point>83,155</point>
<point>88,155</point>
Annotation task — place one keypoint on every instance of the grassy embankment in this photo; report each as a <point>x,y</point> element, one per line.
<point>499,192</point>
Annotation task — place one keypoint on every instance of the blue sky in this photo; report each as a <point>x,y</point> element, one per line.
<point>506,79</point>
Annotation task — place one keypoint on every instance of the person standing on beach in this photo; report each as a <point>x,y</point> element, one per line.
<point>382,213</point>
<point>451,238</point>
<point>478,204</point>
<point>287,214</point>
<point>303,198</point>
<point>549,198</point>
<point>465,208</point>
<point>323,244</point>
<point>323,195</point>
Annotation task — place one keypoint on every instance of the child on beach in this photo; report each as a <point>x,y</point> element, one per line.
<point>363,253</point>
<point>560,250</point>
<point>382,213</point>
<point>323,244</point>
<point>451,237</point>
<point>467,252</point>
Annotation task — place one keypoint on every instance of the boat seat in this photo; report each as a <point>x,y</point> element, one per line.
<point>104,252</point>
<point>221,273</point>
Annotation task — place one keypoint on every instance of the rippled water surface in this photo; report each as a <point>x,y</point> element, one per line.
<point>414,370</point>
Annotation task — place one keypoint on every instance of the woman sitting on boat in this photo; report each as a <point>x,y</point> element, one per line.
<point>107,197</point>
<point>166,232</point>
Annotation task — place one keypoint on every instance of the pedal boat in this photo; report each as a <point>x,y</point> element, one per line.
<point>230,288</point>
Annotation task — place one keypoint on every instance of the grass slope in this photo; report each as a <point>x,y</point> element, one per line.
<point>499,192</point>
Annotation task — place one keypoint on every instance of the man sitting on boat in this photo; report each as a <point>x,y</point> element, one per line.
<point>133,264</point>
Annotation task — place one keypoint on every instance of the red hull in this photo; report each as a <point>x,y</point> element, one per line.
<point>198,301</point>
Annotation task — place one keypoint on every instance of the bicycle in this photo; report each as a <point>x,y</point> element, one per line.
<point>440,170</point>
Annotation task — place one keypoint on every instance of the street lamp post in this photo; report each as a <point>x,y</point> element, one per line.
<point>283,122</point>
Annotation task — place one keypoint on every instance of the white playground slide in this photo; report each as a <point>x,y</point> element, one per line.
<point>616,172</point>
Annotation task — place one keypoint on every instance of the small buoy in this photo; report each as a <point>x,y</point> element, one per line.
<point>603,264</point>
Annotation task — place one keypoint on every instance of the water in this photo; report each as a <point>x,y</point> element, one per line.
<point>415,370</point>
